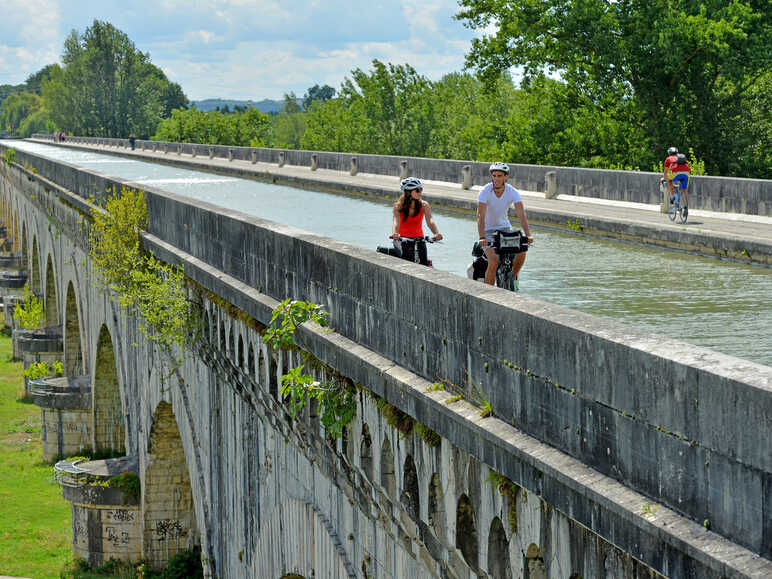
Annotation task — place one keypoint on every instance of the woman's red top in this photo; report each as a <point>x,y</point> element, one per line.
<point>412,226</point>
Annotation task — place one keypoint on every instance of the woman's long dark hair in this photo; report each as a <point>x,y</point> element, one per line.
<point>405,205</point>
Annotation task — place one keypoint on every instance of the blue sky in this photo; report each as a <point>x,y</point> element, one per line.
<point>245,49</point>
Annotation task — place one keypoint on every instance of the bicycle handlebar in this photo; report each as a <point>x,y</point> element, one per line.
<point>425,238</point>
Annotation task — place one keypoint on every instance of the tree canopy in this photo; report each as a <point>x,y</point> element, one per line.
<point>692,71</point>
<point>107,87</point>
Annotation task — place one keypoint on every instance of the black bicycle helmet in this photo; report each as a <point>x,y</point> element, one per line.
<point>680,159</point>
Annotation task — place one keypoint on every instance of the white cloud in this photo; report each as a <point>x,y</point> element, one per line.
<point>246,48</point>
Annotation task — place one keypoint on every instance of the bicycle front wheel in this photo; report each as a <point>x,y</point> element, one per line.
<point>505,279</point>
<point>672,209</point>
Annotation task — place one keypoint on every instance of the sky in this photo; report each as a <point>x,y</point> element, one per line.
<point>245,49</point>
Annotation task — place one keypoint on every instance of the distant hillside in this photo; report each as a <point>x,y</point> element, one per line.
<point>264,106</point>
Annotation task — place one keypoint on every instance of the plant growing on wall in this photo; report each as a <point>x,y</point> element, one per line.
<point>336,398</point>
<point>38,370</point>
<point>142,283</point>
<point>29,314</point>
<point>10,156</point>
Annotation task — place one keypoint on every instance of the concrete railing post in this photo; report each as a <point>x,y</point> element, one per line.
<point>211,152</point>
<point>194,152</point>
<point>403,169</point>
<point>254,156</point>
<point>551,185</point>
<point>314,161</point>
<point>281,158</point>
<point>230,154</point>
<point>166,148</point>
<point>466,172</point>
<point>353,170</point>
<point>664,194</point>
<point>179,149</point>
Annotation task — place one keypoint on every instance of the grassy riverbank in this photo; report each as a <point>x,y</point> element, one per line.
<point>35,521</point>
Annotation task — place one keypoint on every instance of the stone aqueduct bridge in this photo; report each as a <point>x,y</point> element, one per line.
<point>621,448</point>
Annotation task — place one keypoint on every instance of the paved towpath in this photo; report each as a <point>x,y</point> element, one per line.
<point>741,237</point>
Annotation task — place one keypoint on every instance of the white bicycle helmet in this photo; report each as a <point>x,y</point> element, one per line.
<point>499,166</point>
<point>410,184</point>
<point>672,151</point>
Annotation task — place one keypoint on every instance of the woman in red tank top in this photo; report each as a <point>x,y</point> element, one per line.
<point>409,213</point>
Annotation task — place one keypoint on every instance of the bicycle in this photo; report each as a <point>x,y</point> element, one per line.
<point>507,244</point>
<point>674,208</point>
<point>396,250</point>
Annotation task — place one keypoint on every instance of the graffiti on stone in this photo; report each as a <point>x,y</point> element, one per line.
<point>168,529</point>
<point>123,515</point>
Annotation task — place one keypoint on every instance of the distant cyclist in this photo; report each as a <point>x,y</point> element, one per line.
<point>492,215</point>
<point>409,214</point>
<point>672,152</point>
<point>679,173</point>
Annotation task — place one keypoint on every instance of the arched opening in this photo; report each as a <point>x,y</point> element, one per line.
<point>388,478</point>
<point>241,354</point>
<point>207,330</point>
<point>251,361</point>
<point>223,344</point>
<point>73,353</point>
<point>167,501</point>
<point>498,551</point>
<point>15,237</point>
<point>466,531</point>
<point>409,498</point>
<point>109,431</point>
<point>533,563</point>
<point>232,347</point>
<point>24,251</point>
<point>366,453</point>
<point>273,377</point>
<point>345,443</point>
<point>437,519</point>
<point>34,275</point>
<point>51,303</point>
<point>261,368</point>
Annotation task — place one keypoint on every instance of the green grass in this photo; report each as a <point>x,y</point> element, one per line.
<point>35,521</point>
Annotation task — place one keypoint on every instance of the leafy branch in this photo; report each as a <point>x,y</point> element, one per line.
<point>29,314</point>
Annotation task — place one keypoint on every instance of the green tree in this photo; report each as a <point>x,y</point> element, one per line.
<point>289,125</point>
<point>106,87</point>
<point>248,129</point>
<point>317,93</point>
<point>690,67</point>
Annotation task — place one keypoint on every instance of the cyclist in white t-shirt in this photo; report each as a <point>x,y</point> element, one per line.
<point>492,208</point>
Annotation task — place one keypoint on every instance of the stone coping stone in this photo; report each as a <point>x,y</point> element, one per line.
<point>83,481</point>
<point>64,393</point>
<point>13,279</point>
<point>40,340</point>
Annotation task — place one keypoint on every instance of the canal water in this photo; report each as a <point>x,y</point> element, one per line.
<point>717,304</point>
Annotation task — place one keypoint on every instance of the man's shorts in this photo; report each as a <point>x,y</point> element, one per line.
<point>683,179</point>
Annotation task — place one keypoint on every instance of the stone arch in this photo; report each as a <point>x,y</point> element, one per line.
<point>345,443</point>
<point>223,344</point>
<point>241,353</point>
<point>51,303</point>
<point>251,361</point>
<point>232,346</point>
<point>410,498</point>
<point>167,499</point>
<point>73,352</point>
<point>107,410</point>
<point>498,551</point>
<point>437,517</point>
<point>34,274</point>
<point>388,477</point>
<point>466,531</point>
<point>533,563</point>
<point>366,452</point>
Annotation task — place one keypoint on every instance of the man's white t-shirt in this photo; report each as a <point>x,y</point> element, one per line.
<point>497,207</point>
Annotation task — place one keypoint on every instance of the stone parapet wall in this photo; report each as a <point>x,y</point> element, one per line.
<point>725,194</point>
